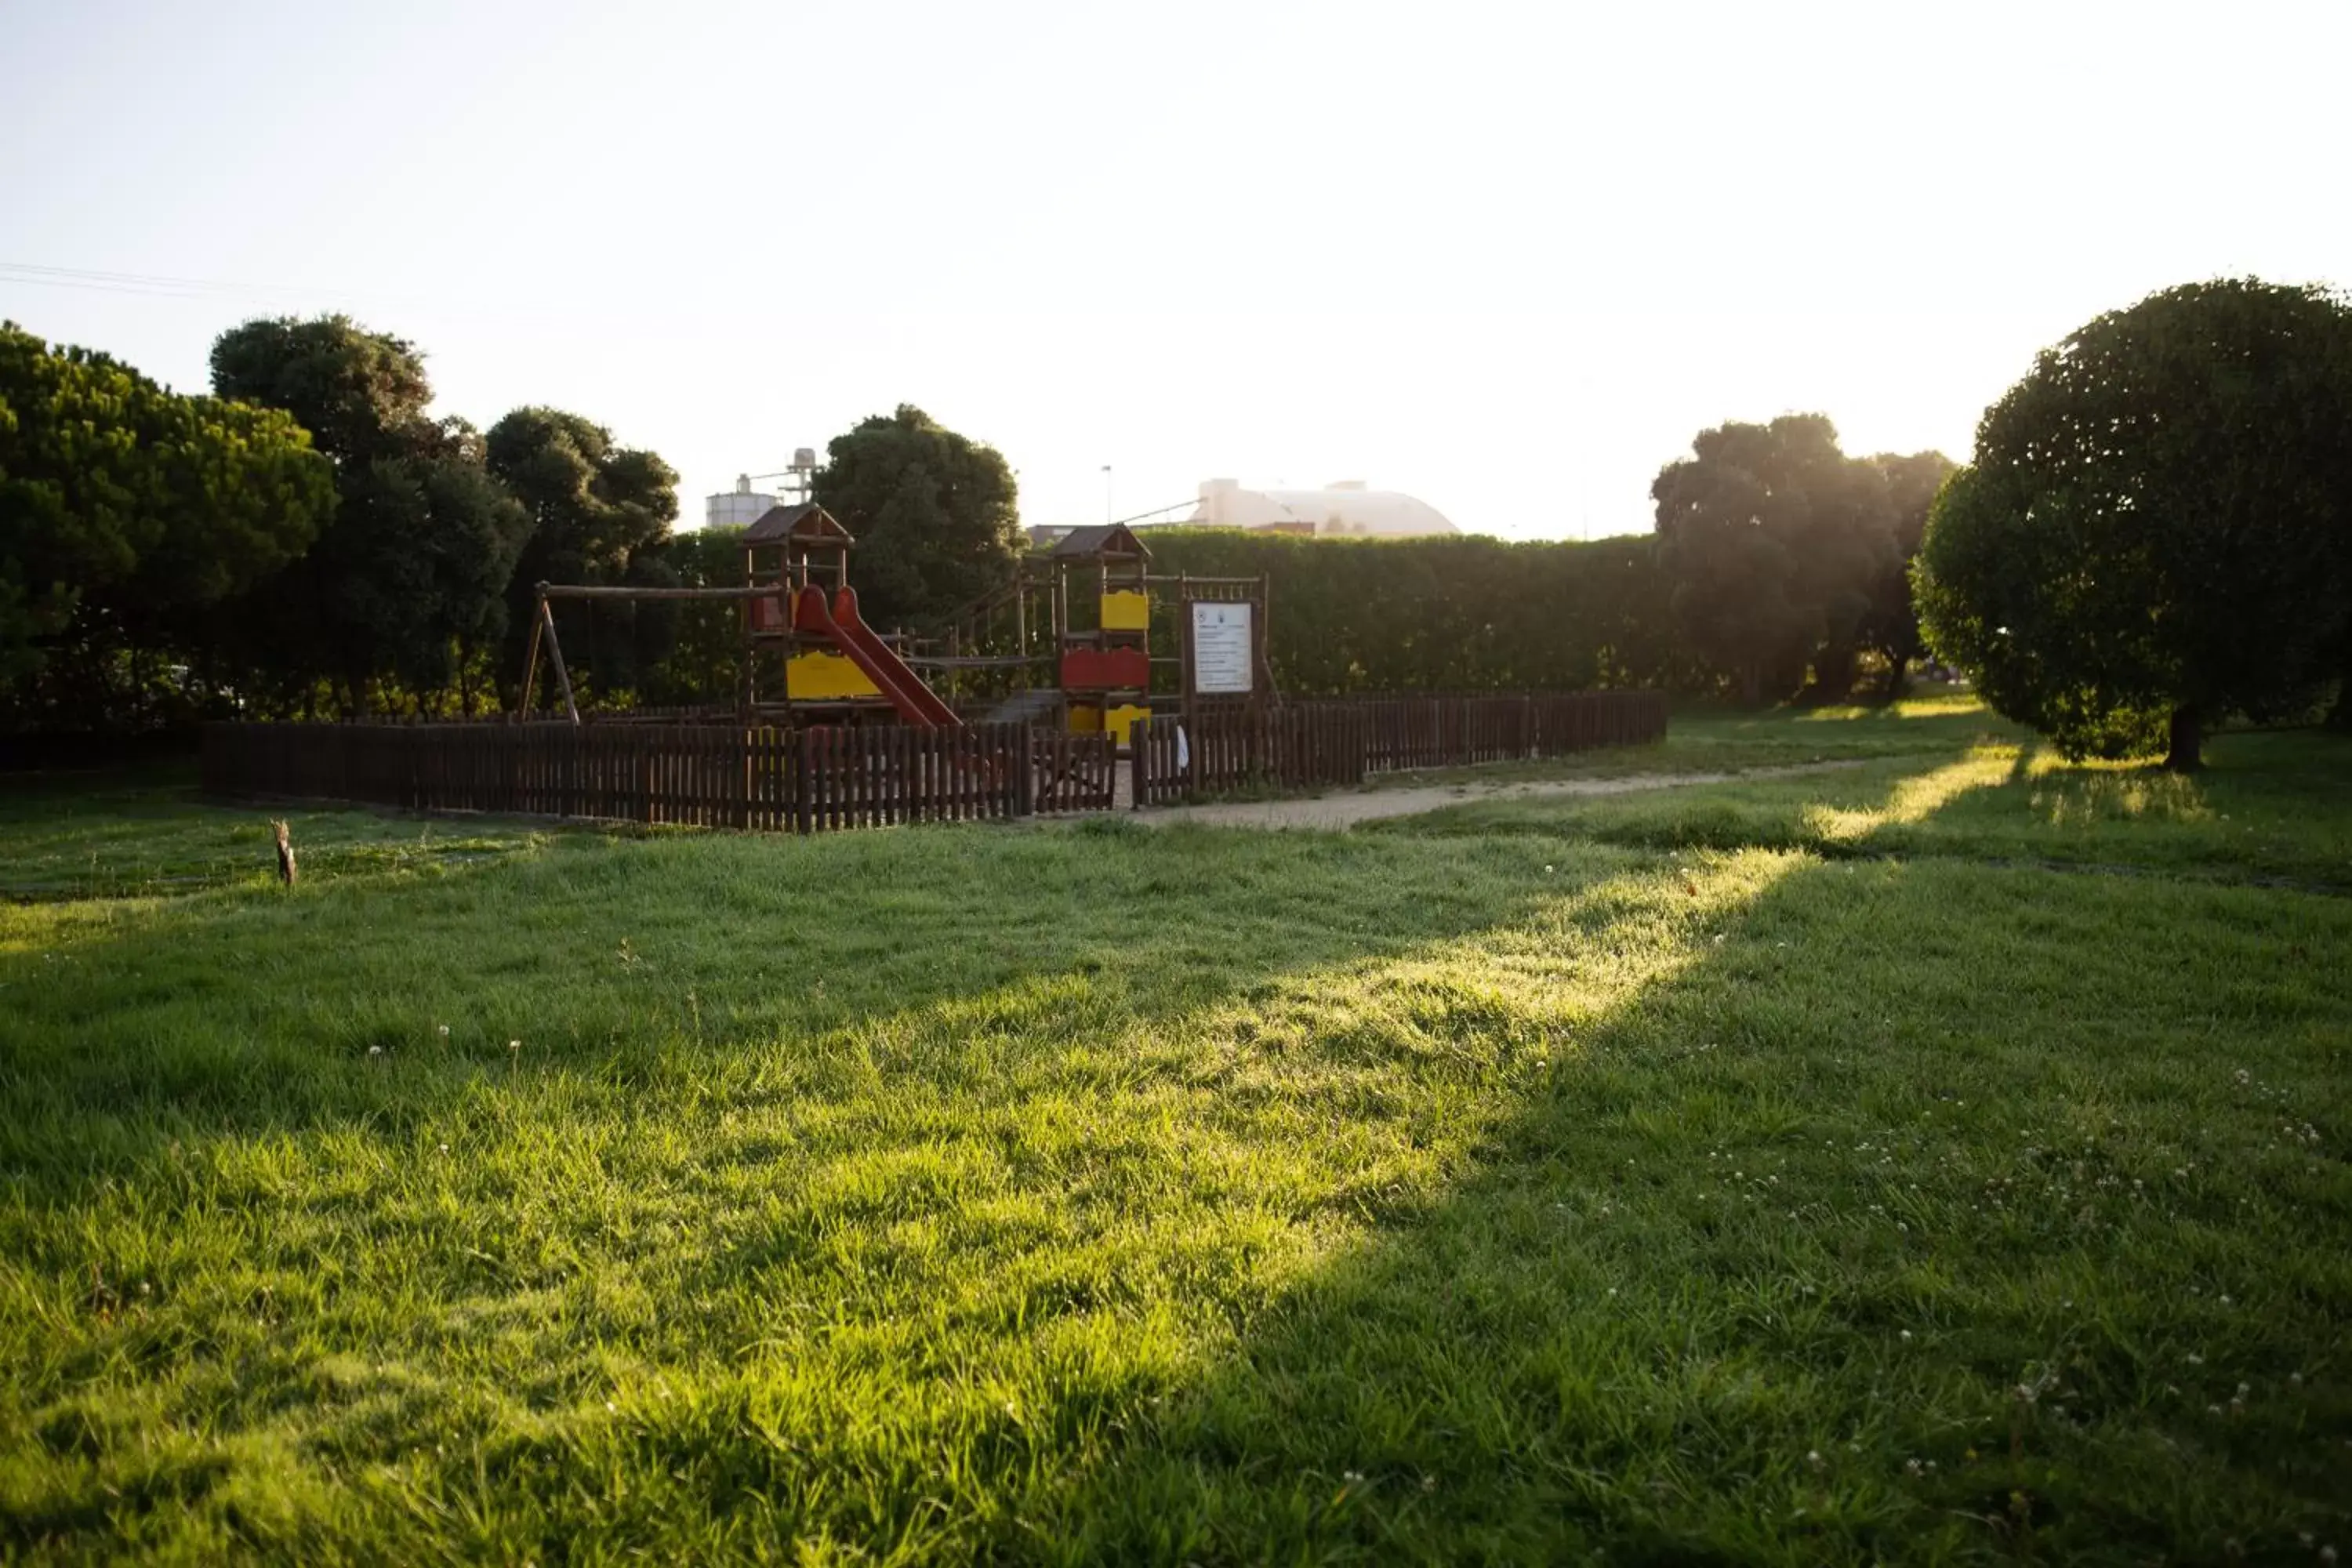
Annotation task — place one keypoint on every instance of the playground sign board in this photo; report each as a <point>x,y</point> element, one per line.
<point>1223,647</point>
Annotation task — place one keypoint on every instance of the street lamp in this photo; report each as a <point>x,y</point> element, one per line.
<point>1105,492</point>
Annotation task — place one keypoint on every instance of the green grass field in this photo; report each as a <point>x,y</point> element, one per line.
<point>1940,1159</point>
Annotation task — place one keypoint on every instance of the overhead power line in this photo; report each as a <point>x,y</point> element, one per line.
<point>153,285</point>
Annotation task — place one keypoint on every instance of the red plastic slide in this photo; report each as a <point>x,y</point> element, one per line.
<point>917,703</point>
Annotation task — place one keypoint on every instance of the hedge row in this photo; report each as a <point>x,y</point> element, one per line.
<point>1446,614</point>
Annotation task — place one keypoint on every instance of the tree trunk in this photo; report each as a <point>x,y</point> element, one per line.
<point>2186,754</point>
<point>1898,675</point>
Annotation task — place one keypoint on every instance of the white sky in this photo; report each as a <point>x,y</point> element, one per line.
<point>1506,258</point>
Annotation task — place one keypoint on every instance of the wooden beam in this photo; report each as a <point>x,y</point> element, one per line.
<point>530,669</point>
<point>582,591</point>
<point>555,657</point>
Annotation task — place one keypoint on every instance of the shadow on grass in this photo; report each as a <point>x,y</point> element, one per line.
<point>1780,1265</point>
<point>2271,811</point>
<point>1214,1196</point>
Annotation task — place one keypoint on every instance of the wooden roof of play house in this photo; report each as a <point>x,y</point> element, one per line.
<point>1101,539</point>
<point>807,523</point>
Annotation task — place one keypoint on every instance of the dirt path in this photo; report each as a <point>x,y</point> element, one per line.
<point>1342,812</point>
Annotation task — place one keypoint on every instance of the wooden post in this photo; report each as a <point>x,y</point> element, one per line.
<point>530,669</point>
<point>1258,635</point>
<point>803,815</point>
<point>555,657</point>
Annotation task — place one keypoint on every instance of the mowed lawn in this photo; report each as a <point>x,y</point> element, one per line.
<point>1938,1159</point>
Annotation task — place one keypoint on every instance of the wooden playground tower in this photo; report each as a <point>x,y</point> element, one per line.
<point>808,657</point>
<point>1080,615</point>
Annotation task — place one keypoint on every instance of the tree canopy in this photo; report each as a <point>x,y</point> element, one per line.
<point>934,514</point>
<point>1890,625</point>
<point>2157,530</point>
<point>124,506</point>
<point>598,514</point>
<point>1783,551</point>
<point>413,571</point>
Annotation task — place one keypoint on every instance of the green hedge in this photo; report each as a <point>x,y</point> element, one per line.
<point>1442,615</point>
<point>1345,616</point>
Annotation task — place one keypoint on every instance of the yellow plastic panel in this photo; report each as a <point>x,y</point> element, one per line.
<point>1121,719</point>
<point>1125,610</point>
<point>1086,719</point>
<point>821,676</point>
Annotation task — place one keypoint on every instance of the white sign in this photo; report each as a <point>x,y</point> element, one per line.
<point>1222,647</point>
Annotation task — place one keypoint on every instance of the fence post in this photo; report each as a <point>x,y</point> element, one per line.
<point>802,817</point>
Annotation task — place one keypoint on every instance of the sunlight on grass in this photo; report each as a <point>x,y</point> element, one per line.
<point>53,928</point>
<point>2083,793</point>
<point>1915,797</point>
<point>1939,705</point>
<point>568,1262</point>
<point>1688,1177</point>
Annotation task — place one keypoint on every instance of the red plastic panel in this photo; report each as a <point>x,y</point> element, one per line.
<point>1101,669</point>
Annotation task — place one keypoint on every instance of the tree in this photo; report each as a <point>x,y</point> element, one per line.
<point>2157,531</point>
<point>1891,627</point>
<point>1772,539</point>
<point>934,514</point>
<point>413,571</point>
<point>701,662</point>
<point>599,513</point>
<point>433,590</point>
<point>125,507</point>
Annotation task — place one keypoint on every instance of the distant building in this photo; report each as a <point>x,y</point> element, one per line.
<point>738,508</point>
<point>1343,509</point>
<point>743,506</point>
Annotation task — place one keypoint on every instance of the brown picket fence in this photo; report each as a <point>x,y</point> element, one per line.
<point>808,781</point>
<point>822,779</point>
<point>1339,742</point>
<point>1073,772</point>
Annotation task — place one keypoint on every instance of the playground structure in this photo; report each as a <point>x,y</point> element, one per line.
<point>1074,628</point>
<point>834,725</point>
<point>1066,643</point>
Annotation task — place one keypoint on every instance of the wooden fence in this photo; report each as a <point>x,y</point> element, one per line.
<point>809,781</point>
<point>1339,742</point>
<point>823,778</point>
<point>1308,745</point>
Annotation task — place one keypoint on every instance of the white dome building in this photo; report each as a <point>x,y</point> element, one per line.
<point>1341,509</point>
